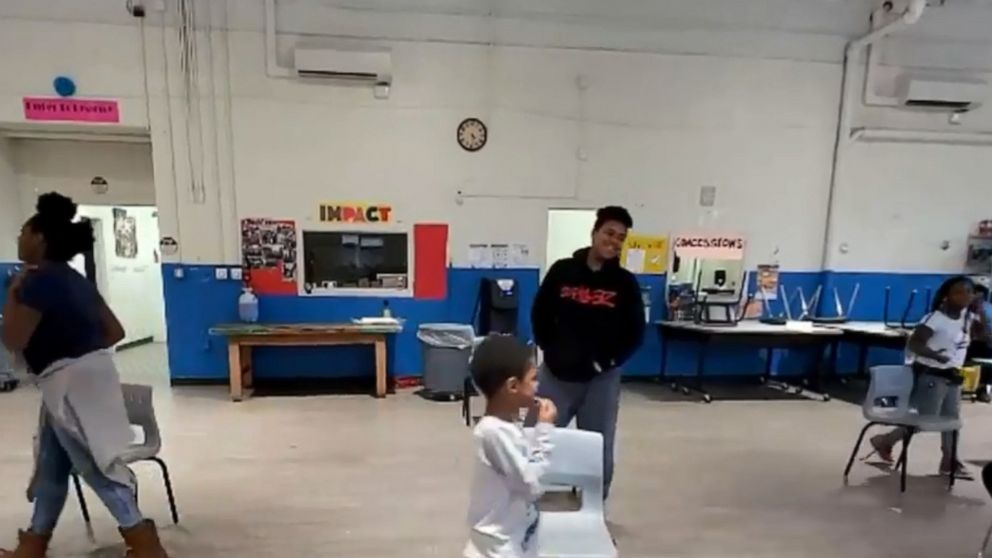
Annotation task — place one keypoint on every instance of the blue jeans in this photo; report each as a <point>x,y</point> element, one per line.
<point>59,455</point>
<point>932,396</point>
<point>594,404</point>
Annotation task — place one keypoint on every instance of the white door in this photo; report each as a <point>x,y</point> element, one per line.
<point>568,231</point>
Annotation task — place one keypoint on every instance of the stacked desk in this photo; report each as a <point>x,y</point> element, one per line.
<point>242,337</point>
<point>748,333</point>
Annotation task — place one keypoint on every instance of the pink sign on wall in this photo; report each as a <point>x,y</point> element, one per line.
<point>55,109</point>
<point>709,246</point>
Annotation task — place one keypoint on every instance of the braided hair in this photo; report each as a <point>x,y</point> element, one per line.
<point>940,297</point>
<point>64,239</point>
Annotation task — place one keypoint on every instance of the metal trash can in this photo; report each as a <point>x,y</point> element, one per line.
<point>446,349</point>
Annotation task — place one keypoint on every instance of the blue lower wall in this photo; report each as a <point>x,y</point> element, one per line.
<point>198,301</point>
<point>6,270</point>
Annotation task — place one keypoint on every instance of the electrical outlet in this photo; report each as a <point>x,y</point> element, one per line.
<point>220,273</point>
<point>179,273</point>
<point>236,274</point>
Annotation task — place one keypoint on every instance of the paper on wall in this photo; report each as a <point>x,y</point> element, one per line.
<point>635,260</point>
<point>653,257</point>
<point>768,281</point>
<point>480,256</point>
<point>519,255</point>
<point>500,255</point>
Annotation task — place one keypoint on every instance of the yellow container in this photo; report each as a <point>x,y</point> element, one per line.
<point>971,375</point>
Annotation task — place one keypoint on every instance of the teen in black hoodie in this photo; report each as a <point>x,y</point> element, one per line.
<point>588,319</point>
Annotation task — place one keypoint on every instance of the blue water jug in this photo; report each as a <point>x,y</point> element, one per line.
<point>248,306</point>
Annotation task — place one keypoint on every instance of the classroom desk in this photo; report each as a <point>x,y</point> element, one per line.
<point>747,333</point>
<point>242,337</point>
<point>866,335</point>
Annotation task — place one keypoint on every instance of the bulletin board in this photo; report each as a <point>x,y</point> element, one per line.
<point>269,255</point>
<point>645,254</point>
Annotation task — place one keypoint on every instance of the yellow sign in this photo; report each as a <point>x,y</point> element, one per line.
<point>355,213</point>
<point>645,254</point>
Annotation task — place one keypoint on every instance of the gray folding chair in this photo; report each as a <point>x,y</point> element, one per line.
<point>987,482</point>
<point>888,404</point>
<point>140,413</point>
<point>576,461</point>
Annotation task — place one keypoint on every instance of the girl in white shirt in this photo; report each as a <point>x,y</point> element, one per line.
<point>936,351</point>
<point>502,516</point>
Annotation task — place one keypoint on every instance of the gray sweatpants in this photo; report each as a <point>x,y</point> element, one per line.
<point>932,395</point>
<point>594,405</point>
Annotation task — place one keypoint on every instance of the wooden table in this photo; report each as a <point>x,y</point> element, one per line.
<point>242,337</point>
<point>748,333</point>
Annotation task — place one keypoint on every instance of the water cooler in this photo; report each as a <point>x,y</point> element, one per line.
<point>498,306</point>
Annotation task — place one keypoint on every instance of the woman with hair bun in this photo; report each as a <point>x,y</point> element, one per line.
<point>59,322</point>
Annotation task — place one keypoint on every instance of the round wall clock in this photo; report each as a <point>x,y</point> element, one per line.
<point>472,134</point>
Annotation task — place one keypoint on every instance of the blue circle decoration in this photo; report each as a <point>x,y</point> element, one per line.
<point>64,86</point>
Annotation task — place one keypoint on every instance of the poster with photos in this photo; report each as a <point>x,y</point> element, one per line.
<point>125,235</point>
<point>269,255</point>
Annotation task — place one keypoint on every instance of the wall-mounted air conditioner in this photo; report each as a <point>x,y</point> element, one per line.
<point>372,66</point>
<point>940,92</point>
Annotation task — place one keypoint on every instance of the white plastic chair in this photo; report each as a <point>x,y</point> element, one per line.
<point>140,413</point>
<point>576,460</point>
<point>987,483</point>
<point>893,384</point>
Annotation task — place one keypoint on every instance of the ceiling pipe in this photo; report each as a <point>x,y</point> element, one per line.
<point>272,67</point>
<point>912,14</point>
<point>889,135</point>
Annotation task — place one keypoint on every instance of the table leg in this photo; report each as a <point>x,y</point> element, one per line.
<point>814,380</point>
<point>769,357</point>
<point>862,371</point>
<point>663,372</point>
<point>380,367</point>
<point>247,370</point>
<point>704,348</point>
<point>234,368</point>
<point>818,383</point>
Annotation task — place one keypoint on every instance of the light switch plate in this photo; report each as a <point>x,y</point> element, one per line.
<point>707,196</point>
<point>221,273</point>
<point>236,274</point>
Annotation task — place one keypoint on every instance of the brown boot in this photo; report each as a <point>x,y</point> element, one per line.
<point>142,541</point>
<point>29,546</point>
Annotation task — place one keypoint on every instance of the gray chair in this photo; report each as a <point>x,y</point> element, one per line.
<point>888,404</point>
<point>140,413</point>
<point>576,461</point>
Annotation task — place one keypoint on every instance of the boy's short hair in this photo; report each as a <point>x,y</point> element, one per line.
<point>496,360</point>
<point>613,213</point>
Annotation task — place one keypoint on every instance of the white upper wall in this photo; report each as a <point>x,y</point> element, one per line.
<point>740,94</point>
<point>69,167</point>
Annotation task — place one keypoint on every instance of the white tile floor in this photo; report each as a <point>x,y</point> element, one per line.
<point>351,476</point>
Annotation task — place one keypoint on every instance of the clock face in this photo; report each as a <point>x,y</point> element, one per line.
<point>472,134</point>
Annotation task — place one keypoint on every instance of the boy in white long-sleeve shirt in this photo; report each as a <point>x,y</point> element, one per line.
<point>502,514</point>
